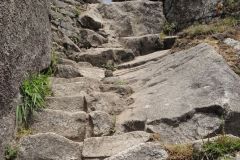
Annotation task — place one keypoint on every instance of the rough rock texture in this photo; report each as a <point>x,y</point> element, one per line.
<point>181,89</point>
<point>103,147</point>
<point>133,18</point>
<point>183,12</point>
<point>71,125</point>
<point>67,71</point>
<point>24,46</point>
<point>46,146</point>
<point>102,123</point>
<point>144,151</point>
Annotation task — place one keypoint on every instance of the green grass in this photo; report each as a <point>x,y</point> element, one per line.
<point>221,147</point>
<point>219,26</point>
<point>10,152</point>
<point>33,90</point>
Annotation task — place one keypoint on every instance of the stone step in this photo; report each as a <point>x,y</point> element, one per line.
<point>48,146</point>
<point>71,104</point>
<point>71,125</point>
<point>74,89</point>
<point>141,45</point>
<point>143,151</point>
<point>103,147</point>
<point>102,56</point>
<point>144,59</point>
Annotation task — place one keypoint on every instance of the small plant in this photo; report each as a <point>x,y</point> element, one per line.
<point>33,91</point>
<point>22,132</point>
<point>222,146</point>
<point>169,28</point>
<point>10,152</point>
<point>120,82</point>
<point>109,66</point>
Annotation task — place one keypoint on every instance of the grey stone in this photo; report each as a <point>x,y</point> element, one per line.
<point>67,71</point>
<point>102,123</point>
<point>233,43</point>
<point>107,146</point>
<point>143,44</point>
<point>101,56</point>
<point>132,18</point>
<point>90,20</point>
<point>189,86</point>
<point>46,146</point>
<point>24,46</point>
<point>89,38</point>
<point>123,90</point>
<point>144,151</point>
<point>71,104</point>
<point>71,125</point>
<point>74,88</point>
<point>183,13</point>
<point>108,102</point>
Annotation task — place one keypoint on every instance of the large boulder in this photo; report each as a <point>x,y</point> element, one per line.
<point>183,96</point>
<point>183,12</point>
<point>130,18</point>
<point>24,46</point>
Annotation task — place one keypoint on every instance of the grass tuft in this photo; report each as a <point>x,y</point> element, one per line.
<point>223,145</point>
<point>179,152</point>
<point>33,90</point>
<point>10,152</point>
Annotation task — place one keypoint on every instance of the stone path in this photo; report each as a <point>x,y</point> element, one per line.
<point>94,116</point>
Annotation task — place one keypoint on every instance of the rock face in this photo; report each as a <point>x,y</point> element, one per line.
<point>183,12</point>
<point>24,46</point>
<point>184,88</point>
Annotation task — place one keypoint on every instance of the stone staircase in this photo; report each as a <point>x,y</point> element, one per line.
<point>94,116</point>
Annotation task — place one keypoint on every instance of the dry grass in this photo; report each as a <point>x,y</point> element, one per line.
<point>179,152</point>
<point>218,26</point>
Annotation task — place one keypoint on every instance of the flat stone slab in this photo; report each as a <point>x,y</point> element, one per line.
<point>144,151</point>
<point>71,104</point>
<point>48,146</point>
<point>71,125</point>
<point>73,89</point>
<point>173,89</point>
<point>102,147</point>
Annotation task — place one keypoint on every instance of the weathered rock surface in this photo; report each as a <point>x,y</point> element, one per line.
<point>67,71</point>
<point>73,104</point>
<point>180,89</point>
<point>102,123</point>
<point>71,125</point>
<point>24,46</point>
<point>182,12</point>
<point>102,147</point>
<point>101,56</point>
<point>143,44</point>
<point>46,146</point>
<point>132,18</point>
<point>144,151</point>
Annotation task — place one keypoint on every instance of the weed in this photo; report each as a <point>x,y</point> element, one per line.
<point>51,70</point>
<point>169,28</point>
<point>109,66</point>
<point>223,145</point>
<point>22,132</point>
<point>10,152</point>
<point>33,90</point>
